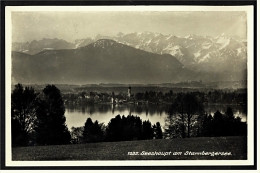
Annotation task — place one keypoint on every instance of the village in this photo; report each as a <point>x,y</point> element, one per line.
<point>213,97</point>
<point>105,98</point>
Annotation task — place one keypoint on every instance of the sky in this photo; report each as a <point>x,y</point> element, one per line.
<point>30,25</point>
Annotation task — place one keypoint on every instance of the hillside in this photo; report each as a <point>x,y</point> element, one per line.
<point>102,61</point>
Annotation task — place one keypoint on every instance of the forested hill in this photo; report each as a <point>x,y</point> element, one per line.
<point>102,61</point>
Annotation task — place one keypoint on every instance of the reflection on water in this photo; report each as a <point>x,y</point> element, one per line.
<point>77,114</point>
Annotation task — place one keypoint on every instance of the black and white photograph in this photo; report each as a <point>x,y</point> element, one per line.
<point>129,85</point>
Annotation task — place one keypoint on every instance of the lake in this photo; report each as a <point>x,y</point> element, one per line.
<point>77,114</point>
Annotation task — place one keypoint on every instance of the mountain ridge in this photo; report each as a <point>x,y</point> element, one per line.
<point>96,63</point>
<point>106,61</point>
<point>196,52</point>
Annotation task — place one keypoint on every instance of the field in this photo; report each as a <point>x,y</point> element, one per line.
<point>202,148</point>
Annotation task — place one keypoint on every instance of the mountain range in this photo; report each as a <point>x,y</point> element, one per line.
<point>195,52</point>
<point>130,58</point>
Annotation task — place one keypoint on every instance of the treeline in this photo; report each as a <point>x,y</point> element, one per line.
<point>221,125</point>
<point>125,128</point>
<point>211,97</point>
<point>187,118</point>
<point>237,97</point>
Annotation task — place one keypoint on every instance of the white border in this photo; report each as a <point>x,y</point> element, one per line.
<point>248,9</point>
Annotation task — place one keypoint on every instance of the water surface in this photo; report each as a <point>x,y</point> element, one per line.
<point>77,114</point>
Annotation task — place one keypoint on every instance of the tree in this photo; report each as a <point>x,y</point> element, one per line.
<point>51,127</point>
<point>23,113</point>
<point>114,129</point>
<point>173,126</point>
<point>183,114</point>
<point>222,125</point>
<point>157,130</point>
<point>160,95</point>
<point>130,128</point>
<point>175,121</point>
<point>98,131</point>
<point>145,96</point>
<point>171,93</point>
<point>87,130</point>
<point>229,114</point>
<point>218,124</point>
<point>147,130</point>
<point>206,129</point>
<point>127,128</point>
<point>192,107</point>
<point>92,132</point>
<point>77,134</point>
<point>139,96</point>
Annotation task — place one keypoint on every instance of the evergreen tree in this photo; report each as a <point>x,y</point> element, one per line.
<point>229,114</point>
<point>217,124</point>
<point>114,129</point>
<point>147,130</point>
<point>92,132</point>
<point>98,133</point>
<point>127,128</point>
<point>223,125</point>
<point>87,132</point>
<point>207,129</point>
<point>51,128</point>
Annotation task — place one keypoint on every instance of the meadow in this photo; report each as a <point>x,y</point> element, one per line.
<point>199,148</point>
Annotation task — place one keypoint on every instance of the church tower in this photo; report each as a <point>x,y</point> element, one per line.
<point>129,92</point>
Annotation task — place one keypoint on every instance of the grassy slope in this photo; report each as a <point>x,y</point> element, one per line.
<point>119,150</point>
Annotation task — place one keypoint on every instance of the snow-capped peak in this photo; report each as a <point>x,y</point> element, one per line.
<point>103,43</point>
<point>192,36</point>
<point>223,41</point>
<point>169,37</point>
